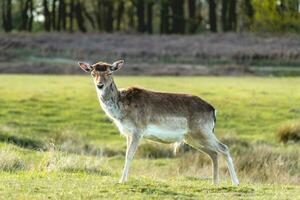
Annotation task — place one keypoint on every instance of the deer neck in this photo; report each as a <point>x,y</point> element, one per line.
<point>110,101</point>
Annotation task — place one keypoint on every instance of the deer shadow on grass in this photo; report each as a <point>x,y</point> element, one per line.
<point>23,142</point>
<point>162,190</point>
<point>37,145</point>
<point>95,171</point>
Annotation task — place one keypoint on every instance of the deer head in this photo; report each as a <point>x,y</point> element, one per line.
<point>102,72</point>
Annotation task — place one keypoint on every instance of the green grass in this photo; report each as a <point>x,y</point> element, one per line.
<point>89,186</point>
<point>40,106</point>
<point>53,135</point>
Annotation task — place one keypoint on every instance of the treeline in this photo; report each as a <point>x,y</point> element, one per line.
<point>150,16</point>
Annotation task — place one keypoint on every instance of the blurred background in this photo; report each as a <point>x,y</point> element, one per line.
<point>242,56</point>
<point>155,37</point>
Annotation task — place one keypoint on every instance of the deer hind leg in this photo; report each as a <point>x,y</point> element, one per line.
<point>223,149</point>
<point>206,141</point>
<point>215,163</point>
<point>213,155</point>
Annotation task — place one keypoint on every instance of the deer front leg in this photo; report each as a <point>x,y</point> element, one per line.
<point>132,144</point>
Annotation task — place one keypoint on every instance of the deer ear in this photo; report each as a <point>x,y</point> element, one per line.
<point>117,65</point>
<point>85,66</point>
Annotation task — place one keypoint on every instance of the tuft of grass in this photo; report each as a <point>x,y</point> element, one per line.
<point>55,161</point>
<point>254,162</point>
<point>154,150</point>
<point>10,161</point>
<point>71,142</point>
<point>264,163</point>
<point>289,133</point>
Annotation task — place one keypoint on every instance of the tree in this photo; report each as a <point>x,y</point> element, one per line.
<point>62,16</point>
<point>30,21</point>
<point>232,19</point>
<point>53,19</point>
<point>108,17</point>
<point>224,15</point>
<point>229,15</point>
<point>79,16</point>
<point>164,16</point>
<point>192,16</point>
<point>27,15</point>
<point>245,14</point>
<point>88,16</point>
<point>212,15</point>
<point>98,12</point>
<point>130,14</point>
<point>7,15</point>
<point>140,5</point>
<point>150,4</point>
<point>167,16</point>
<point>71,16</point>
<point>269,16</point>
<point>47,22</point>
<point>249,8</point>
<point>24,17</point>
<point>178,25</point>
<point>120,13</point>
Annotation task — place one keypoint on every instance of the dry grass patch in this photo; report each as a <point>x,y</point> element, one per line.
<point>254,162</point>
<point>268,164</point>
<point>289,133</point>
<point>10,161</point>
<point>55,161</point>
<point>71,142</point>
<point>154,150</point>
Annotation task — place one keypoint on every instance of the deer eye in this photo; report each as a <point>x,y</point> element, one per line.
<point>93,74</point>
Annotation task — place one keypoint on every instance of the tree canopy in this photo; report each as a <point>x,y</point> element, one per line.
<point>150,16</point>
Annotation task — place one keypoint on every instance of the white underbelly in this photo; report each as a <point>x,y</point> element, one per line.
<point>168,131</point>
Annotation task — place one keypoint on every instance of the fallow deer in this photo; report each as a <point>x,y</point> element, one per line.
<point>158,116</point>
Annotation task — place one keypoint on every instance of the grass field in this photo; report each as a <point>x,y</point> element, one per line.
<point>56,142</point>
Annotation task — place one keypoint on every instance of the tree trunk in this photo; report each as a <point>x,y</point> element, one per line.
<point>130,13</point>
<point>164,17</point>
<point>30,21</point>
<point>47,23</point>
<point>98,13</point>
<point>54,15</point>
<point>249,9</point>
<point>232,16</point>
<point>140,4</point>
<point>6,15</point>
<point>71,16</point>
<point>24,11</point>
<point>61,21</point>
<point>120,13</point>
<point>9,16</point>
<point>225,15</point>
<point>79,16</point>
<point>108,6</point>
<point>88,16</point>
<point>212,15</point>
<point>150,16</point>
<point>178,25</point>
<point>3,9</point>
<point>192,16</point>
<point>61,24</point>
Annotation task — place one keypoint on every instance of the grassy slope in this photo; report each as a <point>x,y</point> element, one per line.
<point>35,109</point>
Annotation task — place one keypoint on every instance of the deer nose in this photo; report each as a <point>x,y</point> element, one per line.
<point>100,86</point>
